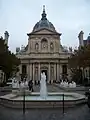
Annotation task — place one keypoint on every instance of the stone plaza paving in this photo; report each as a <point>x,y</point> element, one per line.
<point>78,113</point>
<point>81,112</point>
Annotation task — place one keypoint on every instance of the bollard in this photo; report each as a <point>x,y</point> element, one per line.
<point>24,102</point>
<point>63,103</point>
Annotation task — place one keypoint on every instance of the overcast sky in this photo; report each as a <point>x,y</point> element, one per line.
<point>69,17</point>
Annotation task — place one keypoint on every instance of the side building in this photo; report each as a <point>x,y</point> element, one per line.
<point>84,42</point>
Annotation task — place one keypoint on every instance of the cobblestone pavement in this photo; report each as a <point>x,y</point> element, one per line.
<point>76,113</point>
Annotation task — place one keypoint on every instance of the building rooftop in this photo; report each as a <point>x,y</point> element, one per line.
<point>44,23</point>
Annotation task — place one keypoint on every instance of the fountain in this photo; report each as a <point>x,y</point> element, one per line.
<point>42,99</point>
<point>43,87</point>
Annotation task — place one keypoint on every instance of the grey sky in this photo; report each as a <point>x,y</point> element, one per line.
<point>18,17</point>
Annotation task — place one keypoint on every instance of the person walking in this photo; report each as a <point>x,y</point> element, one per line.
<point>30,84</point>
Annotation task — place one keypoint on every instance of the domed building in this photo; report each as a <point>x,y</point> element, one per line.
<point>44,53</point>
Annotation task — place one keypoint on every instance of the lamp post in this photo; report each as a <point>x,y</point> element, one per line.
<point>63,103</point>
<point>24,99</point>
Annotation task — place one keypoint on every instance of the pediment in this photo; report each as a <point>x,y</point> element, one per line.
<point>44,31</point>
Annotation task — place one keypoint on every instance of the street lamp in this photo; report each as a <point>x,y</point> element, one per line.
<point>24,100</point>
<point>23,89</point>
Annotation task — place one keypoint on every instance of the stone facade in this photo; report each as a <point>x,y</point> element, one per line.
<point>44,53</point>
<point>84,42</point>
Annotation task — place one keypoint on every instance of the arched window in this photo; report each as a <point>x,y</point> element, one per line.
<point>44,43</point>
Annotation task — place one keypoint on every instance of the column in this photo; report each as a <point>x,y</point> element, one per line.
<point>49,73</point>
<point>39,72</point>
<point>58,72</point>
<point>20,69</point>
<point>60,68</point>
<point>30,71</point>
<point>49,47</point>
<point>33,72</point>
<point>39,46</point>
<point>54,71</point>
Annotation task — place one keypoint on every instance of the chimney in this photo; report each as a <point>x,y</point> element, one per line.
<point>80,36</point>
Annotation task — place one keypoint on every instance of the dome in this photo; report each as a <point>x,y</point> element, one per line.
<point>44,23</point>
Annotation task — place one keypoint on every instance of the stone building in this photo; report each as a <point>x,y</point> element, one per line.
<point>84,42</point>
<point>44,53</point>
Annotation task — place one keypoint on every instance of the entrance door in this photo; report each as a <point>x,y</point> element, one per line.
<point>45,73</point>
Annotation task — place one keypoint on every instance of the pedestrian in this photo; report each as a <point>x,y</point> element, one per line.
<point>30,84</point>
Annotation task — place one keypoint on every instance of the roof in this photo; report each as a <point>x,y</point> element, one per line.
<point>44,23</point>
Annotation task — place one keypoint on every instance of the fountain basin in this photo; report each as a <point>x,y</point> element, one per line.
<point>33,100</point>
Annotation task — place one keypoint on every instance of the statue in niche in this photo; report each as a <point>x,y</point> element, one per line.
<point>51,46</point>
<point>44,45</point>
<point>36,46</point>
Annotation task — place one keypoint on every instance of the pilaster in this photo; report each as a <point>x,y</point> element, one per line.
<point>49,73</point>
<point>58,72</point>
<point>39,72</point>
<point>55,71</point>
<point>30,71</point>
